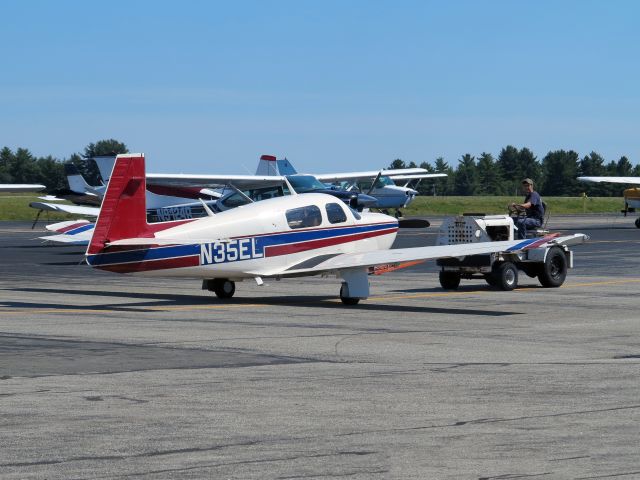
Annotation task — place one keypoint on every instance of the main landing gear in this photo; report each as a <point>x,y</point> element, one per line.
<point>222,287</point>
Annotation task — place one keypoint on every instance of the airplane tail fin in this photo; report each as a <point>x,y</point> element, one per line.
<point>123,213</point>
<point>269,165</point>
<point>105,165</point>
<point>76,181</point>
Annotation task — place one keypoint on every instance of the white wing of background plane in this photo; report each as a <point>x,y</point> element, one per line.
<point>243,182</point>
<point>628,180</point>
<point>337,177</point>
<point>73,209</point>
<point>20,187</point>
<point>416,177</point>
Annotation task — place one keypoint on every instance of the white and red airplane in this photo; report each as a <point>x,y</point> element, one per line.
<point>292,236</point>
<point>631,195</point>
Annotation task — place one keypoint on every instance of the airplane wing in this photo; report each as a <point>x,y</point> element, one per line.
<point>20,187</point>
<point>243,182</point>
<point>416,177</point>
<point>337,177</point>
<point>401,255</point>
<point>345,261</point>
<point>73,209</point>
<point>628,180</point>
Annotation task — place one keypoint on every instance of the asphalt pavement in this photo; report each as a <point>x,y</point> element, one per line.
<point>107,376</point>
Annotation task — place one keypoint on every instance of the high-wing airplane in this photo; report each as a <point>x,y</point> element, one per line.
<point>20,187</point>
<point>291,236</point>
<point>631,195</point>
<point>379,184</point>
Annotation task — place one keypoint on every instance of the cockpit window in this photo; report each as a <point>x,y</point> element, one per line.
<point>304,217</point>
<point>305,183</point>
<point>335,213</point>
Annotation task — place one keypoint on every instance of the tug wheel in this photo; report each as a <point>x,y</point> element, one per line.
<point>449,280</point>
<point>638,222</point>
<point>554,269</point>
<point>505,276</point>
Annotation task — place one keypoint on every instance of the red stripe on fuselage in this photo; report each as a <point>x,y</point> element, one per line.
<point>71,227</point>
<point>145,266</point>
<point>275,250</point>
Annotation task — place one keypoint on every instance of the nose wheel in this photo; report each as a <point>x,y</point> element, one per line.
<point>222,287</point>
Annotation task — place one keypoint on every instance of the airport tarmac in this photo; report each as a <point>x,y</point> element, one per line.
<point>105,376</point>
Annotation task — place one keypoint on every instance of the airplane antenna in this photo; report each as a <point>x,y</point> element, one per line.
<point>206,208</point>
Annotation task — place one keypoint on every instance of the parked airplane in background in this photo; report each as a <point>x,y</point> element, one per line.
<point>631,195</point>
<point>20,187</point>
<point>378,184</point>
<point>290,236</point>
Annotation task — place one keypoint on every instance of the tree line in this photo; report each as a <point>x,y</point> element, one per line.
<point>22,166</point>
<point>555,175</point>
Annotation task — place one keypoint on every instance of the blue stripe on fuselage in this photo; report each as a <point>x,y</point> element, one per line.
<point>81,229</point>
<point>261,241</point>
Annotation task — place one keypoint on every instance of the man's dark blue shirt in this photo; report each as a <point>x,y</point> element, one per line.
<point>536,210</point>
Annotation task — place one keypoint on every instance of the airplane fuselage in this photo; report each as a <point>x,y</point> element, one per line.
<point>279,233</point>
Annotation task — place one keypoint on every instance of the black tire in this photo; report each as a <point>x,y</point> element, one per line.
<point>347,300</point>
<point>449,280</point>
<point>505,276</point>
<point>638,222</point>
<point>490,280</point>
<point>223,287</point>
<point>554,269</point>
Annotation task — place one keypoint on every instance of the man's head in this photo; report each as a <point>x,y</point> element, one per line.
<point>527,185</point>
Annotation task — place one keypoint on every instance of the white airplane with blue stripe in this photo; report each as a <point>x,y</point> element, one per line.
<point>292,236</point>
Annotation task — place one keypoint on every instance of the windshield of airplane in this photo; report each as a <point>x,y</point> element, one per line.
<point>380,182</point>
<point>305,183</point>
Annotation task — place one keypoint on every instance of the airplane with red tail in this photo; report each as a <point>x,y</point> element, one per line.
<point>297,235</point>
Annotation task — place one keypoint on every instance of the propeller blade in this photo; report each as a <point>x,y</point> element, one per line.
<point>413,223</point>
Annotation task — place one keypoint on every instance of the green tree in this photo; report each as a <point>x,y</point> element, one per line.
<point>560,171</point>
<point>446,185</point>
<point>592,165</point>
<point>490,181</point>
<point>397,163</point>
<point>6,161</point>
<point>624,167</point>
<point>508,162</point>
<point>23,167</point>
<point>530,168</point>
<point>518,164</point>
<point>466,181</point>
<point>51,173</point>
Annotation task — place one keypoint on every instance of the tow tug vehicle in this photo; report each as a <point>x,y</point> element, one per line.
<point>548,258</point>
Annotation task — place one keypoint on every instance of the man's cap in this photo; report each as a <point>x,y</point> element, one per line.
<point>528,181</point>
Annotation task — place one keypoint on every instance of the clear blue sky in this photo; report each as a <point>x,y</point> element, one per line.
<point>333,85</point>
